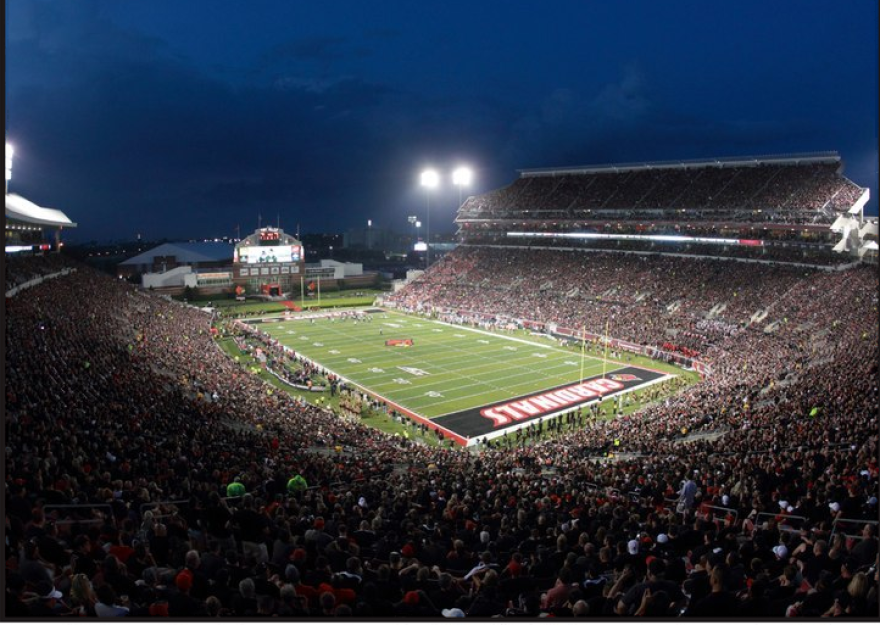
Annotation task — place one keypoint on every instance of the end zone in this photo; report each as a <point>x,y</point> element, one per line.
<point>510,415</point>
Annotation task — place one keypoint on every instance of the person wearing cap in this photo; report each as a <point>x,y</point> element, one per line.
<point>183,603</point>
<point>46,601</point>
<point>415,603</point>
<point>317,535</point>
<point>452,613</point>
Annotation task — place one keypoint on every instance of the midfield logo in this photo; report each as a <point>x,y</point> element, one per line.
<point>624,377</point>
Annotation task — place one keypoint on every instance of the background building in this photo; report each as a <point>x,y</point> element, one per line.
<point>180,258</point>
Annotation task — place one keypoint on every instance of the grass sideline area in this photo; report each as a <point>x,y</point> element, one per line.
<point>448,368</point>
<point>378,420</point>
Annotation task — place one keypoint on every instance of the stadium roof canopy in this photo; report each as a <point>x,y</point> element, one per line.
<point>201,252</point>
<point>21,210</point>
<point>735,161</point>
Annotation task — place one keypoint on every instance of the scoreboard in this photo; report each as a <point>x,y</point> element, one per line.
<point>268,256</point>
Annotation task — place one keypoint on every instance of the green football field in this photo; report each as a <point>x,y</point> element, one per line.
<point>446,370</point>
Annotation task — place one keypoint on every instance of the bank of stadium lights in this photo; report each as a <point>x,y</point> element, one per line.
<point>461,177</point>
<point>9,152</point>
<point>429,179</point>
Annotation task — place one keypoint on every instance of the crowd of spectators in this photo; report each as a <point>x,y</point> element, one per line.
<point>646,299</point>
<point>808,186</point>
<point>792,252</point>
<point>22,269</point>
<point>149,474</point>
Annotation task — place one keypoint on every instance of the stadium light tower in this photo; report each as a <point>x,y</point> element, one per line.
<point>430,179</point>
<point>9,152</point>
<point>412,222</point>
<point>461,177</point>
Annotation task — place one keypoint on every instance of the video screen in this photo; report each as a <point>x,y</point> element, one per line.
<point>258,255</point>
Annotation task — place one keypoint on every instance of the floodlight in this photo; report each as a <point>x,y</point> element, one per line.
<point>430,179</point>
<point>9,152</point>
<point>462,176</point>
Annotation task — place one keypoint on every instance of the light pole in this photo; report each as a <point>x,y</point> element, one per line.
<point>9,152</point>
<point>429,179</point>
<point>412,222</point>
<point>461,177</point>
<point>369,234</point>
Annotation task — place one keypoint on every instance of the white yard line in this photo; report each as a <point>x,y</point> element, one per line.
<point>400,398</point>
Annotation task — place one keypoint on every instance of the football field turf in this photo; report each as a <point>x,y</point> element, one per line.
<point>447,370</point>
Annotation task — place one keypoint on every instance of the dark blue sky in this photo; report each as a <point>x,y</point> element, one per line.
<point>183,119</point>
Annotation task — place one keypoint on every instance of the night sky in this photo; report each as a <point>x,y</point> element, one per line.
<point>185,118</point>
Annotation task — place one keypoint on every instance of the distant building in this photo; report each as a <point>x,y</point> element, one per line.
<point>201,256</point>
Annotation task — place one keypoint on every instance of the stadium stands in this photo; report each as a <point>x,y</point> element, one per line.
<point>752,493</point>
<point>783,205</point>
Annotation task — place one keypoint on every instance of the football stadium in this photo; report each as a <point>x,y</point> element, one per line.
<point>633,389</point>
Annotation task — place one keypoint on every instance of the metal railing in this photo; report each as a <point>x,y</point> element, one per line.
<point>726,512</point>
<point>856,524</point>
<point>157,504</point>
<point>787,522</point>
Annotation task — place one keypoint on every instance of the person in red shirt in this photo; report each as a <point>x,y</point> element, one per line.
<point>515,567</point>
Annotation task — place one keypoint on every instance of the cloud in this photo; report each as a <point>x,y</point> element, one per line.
<point>323,48</point>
